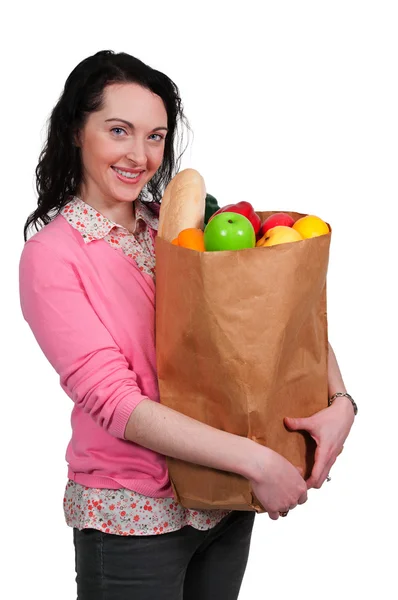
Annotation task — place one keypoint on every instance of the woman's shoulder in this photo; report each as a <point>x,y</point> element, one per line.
<point>57,239</point>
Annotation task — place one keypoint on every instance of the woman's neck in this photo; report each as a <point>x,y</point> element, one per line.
<point>119,212</point>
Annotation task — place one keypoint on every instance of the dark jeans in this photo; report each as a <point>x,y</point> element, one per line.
<point>183,565</point>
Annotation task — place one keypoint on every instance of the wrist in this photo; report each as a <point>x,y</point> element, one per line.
<point>345,400</point>
<point>256,459</point>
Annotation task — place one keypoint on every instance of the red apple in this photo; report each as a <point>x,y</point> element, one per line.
<point>276,220</point>
<point>243,208</point>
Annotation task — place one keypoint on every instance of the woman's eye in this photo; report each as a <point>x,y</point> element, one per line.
<point>156,135</point>
<point>118,131</point>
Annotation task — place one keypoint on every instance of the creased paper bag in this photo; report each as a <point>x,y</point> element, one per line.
<point>241,342</point>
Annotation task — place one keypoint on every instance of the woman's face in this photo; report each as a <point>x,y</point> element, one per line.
<point>122,145</point>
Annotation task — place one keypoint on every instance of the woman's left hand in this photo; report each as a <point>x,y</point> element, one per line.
<point>329,428</point>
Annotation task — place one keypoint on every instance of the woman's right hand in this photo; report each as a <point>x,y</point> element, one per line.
<point>276,483</point>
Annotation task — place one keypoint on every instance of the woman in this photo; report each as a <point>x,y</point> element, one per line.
<point>87,291</point>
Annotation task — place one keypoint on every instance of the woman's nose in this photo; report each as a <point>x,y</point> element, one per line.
<point>136,153</point>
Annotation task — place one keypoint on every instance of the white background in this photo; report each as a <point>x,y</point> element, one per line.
<point>293,105</point>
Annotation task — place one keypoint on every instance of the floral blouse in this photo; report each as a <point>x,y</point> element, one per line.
<point>122,511</point>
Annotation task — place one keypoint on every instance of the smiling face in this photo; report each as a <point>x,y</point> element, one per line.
<point>122,145</point>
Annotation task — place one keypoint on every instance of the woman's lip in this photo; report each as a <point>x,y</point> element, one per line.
<point>127,170</point>
<point>128,180</point>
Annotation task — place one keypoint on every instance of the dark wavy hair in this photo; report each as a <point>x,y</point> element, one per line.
<point>59,171</point>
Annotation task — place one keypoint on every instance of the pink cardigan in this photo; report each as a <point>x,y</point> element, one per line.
<point>92,311</point>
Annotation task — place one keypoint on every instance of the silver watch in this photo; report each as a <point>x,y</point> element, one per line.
<point>350,398</point>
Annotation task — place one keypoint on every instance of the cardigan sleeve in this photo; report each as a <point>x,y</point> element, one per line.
<point>92,369</point>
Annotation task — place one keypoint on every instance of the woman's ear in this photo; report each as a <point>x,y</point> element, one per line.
<point>76,139</point>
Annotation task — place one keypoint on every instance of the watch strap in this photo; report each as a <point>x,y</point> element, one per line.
<point>345,394</point>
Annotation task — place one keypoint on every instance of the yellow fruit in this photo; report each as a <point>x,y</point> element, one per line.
<point>310,226</point>
<point>280,234</point>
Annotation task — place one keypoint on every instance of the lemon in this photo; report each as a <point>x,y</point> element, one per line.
<point>311,226</point>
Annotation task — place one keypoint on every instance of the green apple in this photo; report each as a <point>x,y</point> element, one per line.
<point>229,231</point>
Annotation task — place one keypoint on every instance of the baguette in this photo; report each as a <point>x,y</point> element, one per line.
<point>183,204</point>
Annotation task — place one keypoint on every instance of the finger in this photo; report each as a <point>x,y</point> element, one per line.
<point>321,463</point>
<point>273,515</point>
<point>326,472</point>
<point>318,484</point>
<point>303,498</point>
<point>295,423</point>
<point>312,482</point>
<point>300,470</point>
<point>319,481</point>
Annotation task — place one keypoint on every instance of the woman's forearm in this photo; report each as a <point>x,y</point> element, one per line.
<point>335,378</point>
<point>336,384</point>
<point>171,433</point>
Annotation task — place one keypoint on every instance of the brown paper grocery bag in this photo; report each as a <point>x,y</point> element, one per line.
<point>242,342</point>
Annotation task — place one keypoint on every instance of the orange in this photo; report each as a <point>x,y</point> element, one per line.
<point>175,241</point>
<point>191,238</point>
<point>311,226</point>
